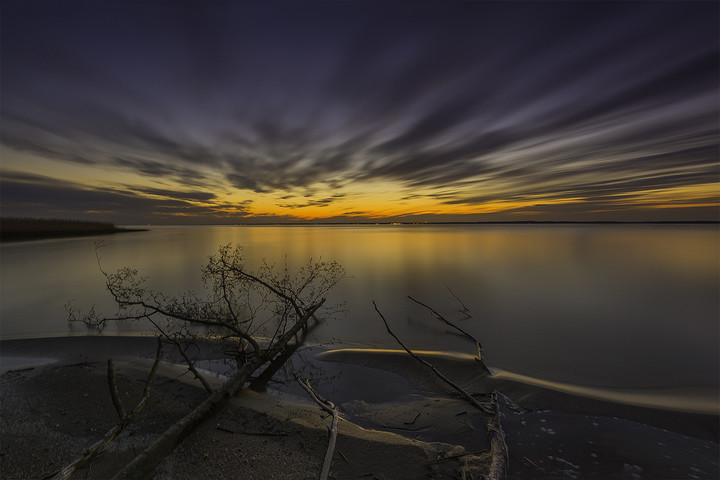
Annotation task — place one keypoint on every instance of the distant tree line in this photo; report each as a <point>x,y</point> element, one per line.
<point>26,228</point>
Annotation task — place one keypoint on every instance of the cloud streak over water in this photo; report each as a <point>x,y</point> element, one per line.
<point>559,110</point>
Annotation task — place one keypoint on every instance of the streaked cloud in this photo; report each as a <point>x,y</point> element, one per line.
<point>325,110</point>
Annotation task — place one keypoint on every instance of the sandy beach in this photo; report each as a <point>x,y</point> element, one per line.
<point>397,420</point>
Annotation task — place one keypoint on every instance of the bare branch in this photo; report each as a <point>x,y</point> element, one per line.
<point>329,407</point>
<point>466,395</point>
<point>480,353</point>
<point>499,459</point>
<point>464,308</point>
<point>149,458</point>
<point>125,420</point>
<point>114,391</point>
<point>191,367</point>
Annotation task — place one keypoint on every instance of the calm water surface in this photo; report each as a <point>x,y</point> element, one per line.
<point>598,305</point>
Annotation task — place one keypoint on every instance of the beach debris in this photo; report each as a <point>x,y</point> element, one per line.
<point>413,420</point>
<point>459,389</point>
<point>331,409</point>
<point>148,459</point>
<point>253,316</point>
<point>125,418</point>
<point>499,458</point>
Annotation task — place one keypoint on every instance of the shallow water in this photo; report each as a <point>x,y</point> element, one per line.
<point>631,306</point>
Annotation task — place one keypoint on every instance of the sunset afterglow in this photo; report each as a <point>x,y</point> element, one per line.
<point>166,112</point>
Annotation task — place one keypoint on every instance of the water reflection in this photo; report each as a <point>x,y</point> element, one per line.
<point>596,305</point>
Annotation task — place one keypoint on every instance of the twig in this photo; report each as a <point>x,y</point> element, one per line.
<point>344,457</point>
<point>329,407</point>
<point>512,405</point>
<point>413,420</point>
<point>459,455</point>
<point>467,396</point>
<point>464,308</point>
<point>405,429</point>
<point>243,432</point>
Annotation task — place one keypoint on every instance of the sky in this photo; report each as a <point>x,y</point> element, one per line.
<point>180,112</point>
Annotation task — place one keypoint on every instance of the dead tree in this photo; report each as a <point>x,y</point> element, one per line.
<point>252,315</point>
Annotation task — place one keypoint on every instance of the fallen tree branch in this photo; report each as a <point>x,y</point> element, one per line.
<point>145,462</point>
<point>442,377</point>
<point>498,448</point>
<point>329,407</point>
<point>498,467</point>
<point>191,367</point>
<point>125,419</point>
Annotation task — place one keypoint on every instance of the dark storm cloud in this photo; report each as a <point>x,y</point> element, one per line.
<point>439,97</point>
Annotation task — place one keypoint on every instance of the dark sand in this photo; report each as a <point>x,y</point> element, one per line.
<point>397,420</point>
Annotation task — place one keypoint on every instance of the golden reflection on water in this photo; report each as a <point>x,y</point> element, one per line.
<point>595,304</point>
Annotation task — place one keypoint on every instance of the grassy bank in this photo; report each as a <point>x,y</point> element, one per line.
<point>23,228</point>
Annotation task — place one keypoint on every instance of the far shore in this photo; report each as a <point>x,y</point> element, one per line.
<point>398,420</point>
<point>22,229</point>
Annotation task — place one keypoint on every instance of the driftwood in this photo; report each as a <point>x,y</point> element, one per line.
<point>498,448</point>
<point>330,408</point>
<point>125,418</point>
<point>144,463</point>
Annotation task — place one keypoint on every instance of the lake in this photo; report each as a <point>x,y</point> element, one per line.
<point>631,306</point>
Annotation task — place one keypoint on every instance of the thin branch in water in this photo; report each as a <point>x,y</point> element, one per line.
<point>464,308</point>
<point>480,353</point>
<point>469,397</point>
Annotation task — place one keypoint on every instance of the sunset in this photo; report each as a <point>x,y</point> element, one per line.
<point>398,240</point>
<point>170,113</point>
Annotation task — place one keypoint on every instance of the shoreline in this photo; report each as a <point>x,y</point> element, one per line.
<point>390,408</point>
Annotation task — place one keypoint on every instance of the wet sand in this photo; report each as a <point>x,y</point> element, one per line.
<point>397,420</point>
